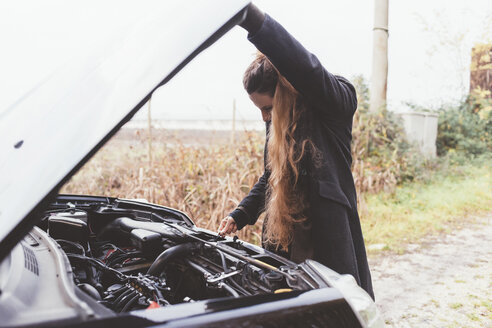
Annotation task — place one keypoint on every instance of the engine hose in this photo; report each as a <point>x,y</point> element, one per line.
<point>238,287</point>
<point>130,303</point>
<point>229,289</point>
<point>117,258</point>
<point>91,279</point>
<point>129,291</point>
<point>120,290</point>
<point>170,254</point>
<point>125,300</point>
<point>224,263</point>
<point>90,290</point>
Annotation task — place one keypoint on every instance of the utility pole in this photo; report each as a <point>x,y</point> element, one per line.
<point>379,77</point>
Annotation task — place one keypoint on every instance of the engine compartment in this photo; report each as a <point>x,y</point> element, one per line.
<point>129,256</point>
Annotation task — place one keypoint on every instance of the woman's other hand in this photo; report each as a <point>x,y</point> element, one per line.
<point>227,226</point>
<point>253,20</point>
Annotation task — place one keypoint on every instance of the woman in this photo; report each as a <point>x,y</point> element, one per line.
<point>307,190</point>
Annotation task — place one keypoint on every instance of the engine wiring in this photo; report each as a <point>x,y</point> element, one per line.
<point>126,274</point>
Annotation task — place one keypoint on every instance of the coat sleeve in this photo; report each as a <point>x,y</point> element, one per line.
<point>250,208</point>
<point>252,205</point>
<point>334,96</point>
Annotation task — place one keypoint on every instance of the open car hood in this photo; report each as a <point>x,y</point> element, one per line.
<point>56,126</point>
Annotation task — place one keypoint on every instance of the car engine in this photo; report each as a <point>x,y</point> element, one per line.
<point>128,256</point>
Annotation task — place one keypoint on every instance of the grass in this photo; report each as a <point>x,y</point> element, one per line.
<point>473,317</point>
<point>455,306</point>
<point>482,310</point>
<point>206,182</point>
<point>440,204</point>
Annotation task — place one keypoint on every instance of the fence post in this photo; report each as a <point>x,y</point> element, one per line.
<point>149,132</point>
<point>233,132</point>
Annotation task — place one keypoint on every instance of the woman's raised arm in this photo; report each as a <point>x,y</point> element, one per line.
<point>332,95</point>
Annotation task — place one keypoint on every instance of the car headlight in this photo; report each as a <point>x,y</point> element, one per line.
<point>357,298</point>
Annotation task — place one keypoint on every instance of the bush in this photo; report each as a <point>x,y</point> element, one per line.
<point>466,128</point>
<point>382,158</point>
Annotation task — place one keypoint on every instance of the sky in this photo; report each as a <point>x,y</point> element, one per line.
<point>429,54</point>
<point>429,51</point>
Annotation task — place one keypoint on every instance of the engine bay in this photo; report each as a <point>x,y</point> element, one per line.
<point>129,256</point>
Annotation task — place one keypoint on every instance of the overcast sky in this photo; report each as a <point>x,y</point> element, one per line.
<point>429,51</point>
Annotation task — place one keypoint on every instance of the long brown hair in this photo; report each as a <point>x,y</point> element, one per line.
<point>285,204</point>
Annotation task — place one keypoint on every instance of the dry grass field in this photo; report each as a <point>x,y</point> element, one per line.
<point>205,175</point>
<point>198,172</point>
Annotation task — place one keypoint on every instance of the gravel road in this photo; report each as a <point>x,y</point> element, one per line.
<point>445,281</point>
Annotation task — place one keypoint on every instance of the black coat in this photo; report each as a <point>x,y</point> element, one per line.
<point>332,234</point>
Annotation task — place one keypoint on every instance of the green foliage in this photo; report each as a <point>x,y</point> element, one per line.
<point>466,128</point>
<point>382,158</point>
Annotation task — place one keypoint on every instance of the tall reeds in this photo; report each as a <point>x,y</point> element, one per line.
<point>204,175</point>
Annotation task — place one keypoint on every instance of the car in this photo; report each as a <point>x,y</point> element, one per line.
<point>92,261</point>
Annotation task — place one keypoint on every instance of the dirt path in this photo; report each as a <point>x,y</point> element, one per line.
<point>444,282</point>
